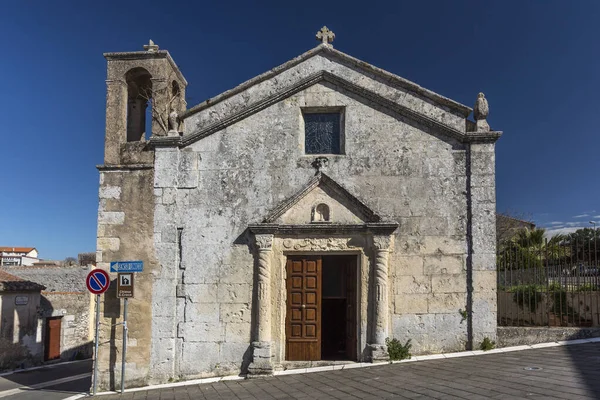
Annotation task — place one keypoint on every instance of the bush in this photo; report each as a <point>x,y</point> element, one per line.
<point>398,351</point>
<point>529,295</point>
<point>487,344</point>
<point>588,287</point>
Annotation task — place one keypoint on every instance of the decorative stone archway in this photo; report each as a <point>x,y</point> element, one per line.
<point>274,242</point>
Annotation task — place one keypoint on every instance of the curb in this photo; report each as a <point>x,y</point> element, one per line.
<point>354,365</point>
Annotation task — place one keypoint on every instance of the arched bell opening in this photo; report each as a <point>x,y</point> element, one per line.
<point>139,104</point>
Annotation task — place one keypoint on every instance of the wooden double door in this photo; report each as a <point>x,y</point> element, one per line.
<point>321,313</point>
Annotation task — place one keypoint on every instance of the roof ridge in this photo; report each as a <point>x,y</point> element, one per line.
<point>14,283</point>
<point>322,48</point>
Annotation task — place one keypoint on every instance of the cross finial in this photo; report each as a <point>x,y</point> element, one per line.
<point>325,35</point>
<point>151,47</point>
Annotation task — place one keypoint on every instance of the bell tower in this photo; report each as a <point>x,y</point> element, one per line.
<point>145,94</point>
<point>144,89</point>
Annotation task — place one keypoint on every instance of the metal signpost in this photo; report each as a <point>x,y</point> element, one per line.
<point>97,283</point>
<point>124,291</point>
<point>125,279</point>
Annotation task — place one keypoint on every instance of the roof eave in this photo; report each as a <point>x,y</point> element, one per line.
<point>136,55</point>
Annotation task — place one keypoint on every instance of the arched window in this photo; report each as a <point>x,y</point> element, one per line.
<point>320,213</point>
<point>139,97</point>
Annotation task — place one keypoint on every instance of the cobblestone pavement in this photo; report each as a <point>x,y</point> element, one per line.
<point>567,372</point>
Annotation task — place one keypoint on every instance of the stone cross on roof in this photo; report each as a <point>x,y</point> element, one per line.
<point>325,35</point>
<point>151,47</point>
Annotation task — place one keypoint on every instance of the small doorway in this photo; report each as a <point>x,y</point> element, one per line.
<point>321,308</point>
<point>52,342</point>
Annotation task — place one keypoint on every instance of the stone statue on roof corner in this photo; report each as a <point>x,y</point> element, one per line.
<point>173,124</point>
<point>480,112</point>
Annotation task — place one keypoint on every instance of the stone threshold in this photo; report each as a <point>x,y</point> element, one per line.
<point>350,365</point>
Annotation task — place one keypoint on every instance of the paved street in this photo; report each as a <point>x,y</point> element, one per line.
<point>567,372</point>
<point>52,382</point>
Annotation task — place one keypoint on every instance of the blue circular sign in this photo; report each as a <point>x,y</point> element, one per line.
<point>97,281</point>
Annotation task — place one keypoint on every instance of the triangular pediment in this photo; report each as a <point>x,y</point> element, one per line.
<point>322,201</point>
<point>324,64</point>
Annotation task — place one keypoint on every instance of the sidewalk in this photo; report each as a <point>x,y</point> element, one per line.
<point>563,372</point>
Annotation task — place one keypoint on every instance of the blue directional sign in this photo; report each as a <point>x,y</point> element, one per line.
<point>126,266</point>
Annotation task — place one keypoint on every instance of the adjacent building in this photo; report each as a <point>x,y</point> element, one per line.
<point>15,256</point>
<point>20,329</point>
<point>65,309</point>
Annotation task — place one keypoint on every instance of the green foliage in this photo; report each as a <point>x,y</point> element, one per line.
<point>398,351</point>
<point>588,287</point>
<point>487,344</point>
<point>464,315</point>
<point>530,295</point>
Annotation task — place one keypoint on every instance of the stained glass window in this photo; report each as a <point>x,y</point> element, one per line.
<point>322,133</point>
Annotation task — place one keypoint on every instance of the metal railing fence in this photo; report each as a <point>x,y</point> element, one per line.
<point>549,283</point>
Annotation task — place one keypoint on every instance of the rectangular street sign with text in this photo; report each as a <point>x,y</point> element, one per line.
<point>126,266</point>
<point>125,285</point>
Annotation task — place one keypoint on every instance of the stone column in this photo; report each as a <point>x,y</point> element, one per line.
<point>261,360</point>
<point>381,246</point>
<point>482,260</point>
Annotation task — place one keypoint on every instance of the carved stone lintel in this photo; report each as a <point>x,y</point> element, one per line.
<point>313,244</point>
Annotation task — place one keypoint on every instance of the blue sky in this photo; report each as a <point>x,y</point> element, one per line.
<point>537,62</point>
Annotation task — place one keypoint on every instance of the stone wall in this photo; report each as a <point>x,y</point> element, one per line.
<point>125,233</point>
<point>519,335</point>
<point>209,192</point>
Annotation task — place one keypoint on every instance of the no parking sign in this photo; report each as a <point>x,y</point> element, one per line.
<point>97,281</point>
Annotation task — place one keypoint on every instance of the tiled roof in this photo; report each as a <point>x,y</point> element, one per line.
<point>17,249</point>
<point>9,282</point>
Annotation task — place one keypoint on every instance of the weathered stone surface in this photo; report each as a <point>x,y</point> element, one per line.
<point>408,265</point>
<point>202,312</point>
<point>111,218</point>
<point>442,303</point>
<point>442,264</point>
<point>413,284</point>
<point>411,303</point>
<point>200,332</point>
<point>238,332</point>
<point>235,312</point>
<point>455,283</point>
<point>110,192</point>
<point>110,244</point>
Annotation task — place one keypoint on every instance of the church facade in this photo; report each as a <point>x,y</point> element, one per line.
<point>300,218</point>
